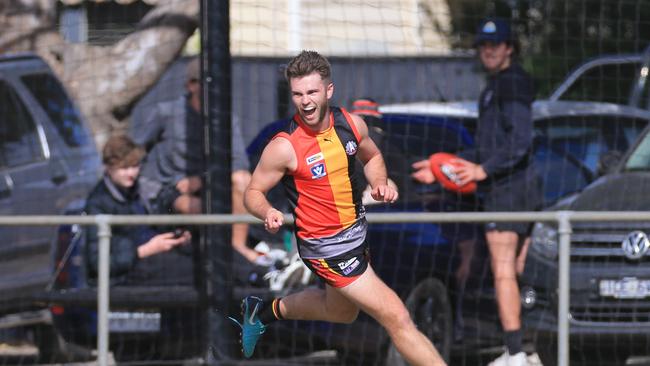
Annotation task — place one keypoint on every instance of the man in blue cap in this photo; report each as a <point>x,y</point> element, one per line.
<point>502,165</point>
<point>504,169</point>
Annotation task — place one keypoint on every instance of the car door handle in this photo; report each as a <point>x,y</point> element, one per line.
<point>57,171</point>
<point>6,186</point>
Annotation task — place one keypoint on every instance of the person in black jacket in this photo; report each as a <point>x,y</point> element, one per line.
<point>502,164</point>
<point>132,247</point>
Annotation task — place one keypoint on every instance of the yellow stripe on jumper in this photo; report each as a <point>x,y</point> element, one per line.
<point>336,163</point>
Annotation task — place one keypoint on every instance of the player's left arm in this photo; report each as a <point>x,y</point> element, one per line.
<point>374,166</point>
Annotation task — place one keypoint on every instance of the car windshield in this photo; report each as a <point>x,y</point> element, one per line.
<point>568,149</point>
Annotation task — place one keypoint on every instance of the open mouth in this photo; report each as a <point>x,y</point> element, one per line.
<point>309,111</point>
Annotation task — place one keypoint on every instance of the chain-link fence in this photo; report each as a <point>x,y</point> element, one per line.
<point>73,73</point>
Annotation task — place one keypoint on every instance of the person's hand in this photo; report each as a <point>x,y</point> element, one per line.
<point>384,193</point>
<point>423,173</point>
<point>264,260</point>
<point>186,236</point>
<point>162,243</point>
<point>273,220</point>
<point>189,185</point>
<point>466,171</point>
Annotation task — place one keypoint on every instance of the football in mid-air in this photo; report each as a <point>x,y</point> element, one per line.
<point>443,167</point>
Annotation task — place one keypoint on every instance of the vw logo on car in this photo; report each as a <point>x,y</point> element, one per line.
<point>635,245</point>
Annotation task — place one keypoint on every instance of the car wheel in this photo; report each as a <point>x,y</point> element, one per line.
<point>430,310</point>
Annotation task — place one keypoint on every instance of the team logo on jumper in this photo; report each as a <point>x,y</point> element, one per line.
<point>314,158</point>
<point>318,171</point>
<point>349,265</point>
<point>350,147</point>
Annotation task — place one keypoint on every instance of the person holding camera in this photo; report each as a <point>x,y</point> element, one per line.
<point>132,247</point>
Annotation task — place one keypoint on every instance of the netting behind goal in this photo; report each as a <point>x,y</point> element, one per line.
<point>74,73</point>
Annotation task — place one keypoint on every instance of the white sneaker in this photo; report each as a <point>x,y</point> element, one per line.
<point>506,359</point>
<point>533,359</point>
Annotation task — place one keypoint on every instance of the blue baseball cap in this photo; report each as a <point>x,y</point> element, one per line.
<point>493,30</point>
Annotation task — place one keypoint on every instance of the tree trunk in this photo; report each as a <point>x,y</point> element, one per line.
<point>106,81</point>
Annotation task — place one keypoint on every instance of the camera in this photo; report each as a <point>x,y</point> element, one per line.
<point>178,232</point>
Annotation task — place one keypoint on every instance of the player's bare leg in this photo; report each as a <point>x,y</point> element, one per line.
<point>503,252</point>
<point>372,295</point>
<point>316,304</point>
<point>521,256</point>
<point>503,249</point>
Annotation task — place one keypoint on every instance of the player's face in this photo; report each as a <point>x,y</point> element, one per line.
<point>310,95</point>
<point>123,177</point>
<point>495,56</point>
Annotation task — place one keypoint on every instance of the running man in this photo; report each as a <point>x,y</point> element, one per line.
<point>314,157</point>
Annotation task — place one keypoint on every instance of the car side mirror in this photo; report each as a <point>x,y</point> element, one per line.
<point>609,161</point>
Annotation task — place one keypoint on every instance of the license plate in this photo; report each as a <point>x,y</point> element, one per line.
<point>127,322</point>
<point>626,288</point>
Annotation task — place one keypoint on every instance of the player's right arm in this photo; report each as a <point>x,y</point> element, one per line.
<point>277,158</point>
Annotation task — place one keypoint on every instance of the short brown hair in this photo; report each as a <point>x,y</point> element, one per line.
<point>121,152</point>
<point>306,63</point>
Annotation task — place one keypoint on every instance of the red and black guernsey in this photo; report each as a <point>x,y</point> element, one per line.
<point>325,189</point>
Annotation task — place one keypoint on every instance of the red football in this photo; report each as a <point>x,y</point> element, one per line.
<point>442,166</point>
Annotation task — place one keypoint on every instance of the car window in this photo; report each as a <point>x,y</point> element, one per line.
<point>568,149</point>
<point>587,138</point>
<point>18,137</point>
<point>52,98</point>
<point>610,83</point>
<point>560,173</point>
<point>639,159</point>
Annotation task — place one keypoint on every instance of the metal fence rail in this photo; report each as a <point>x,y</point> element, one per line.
<point>105,222</point>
